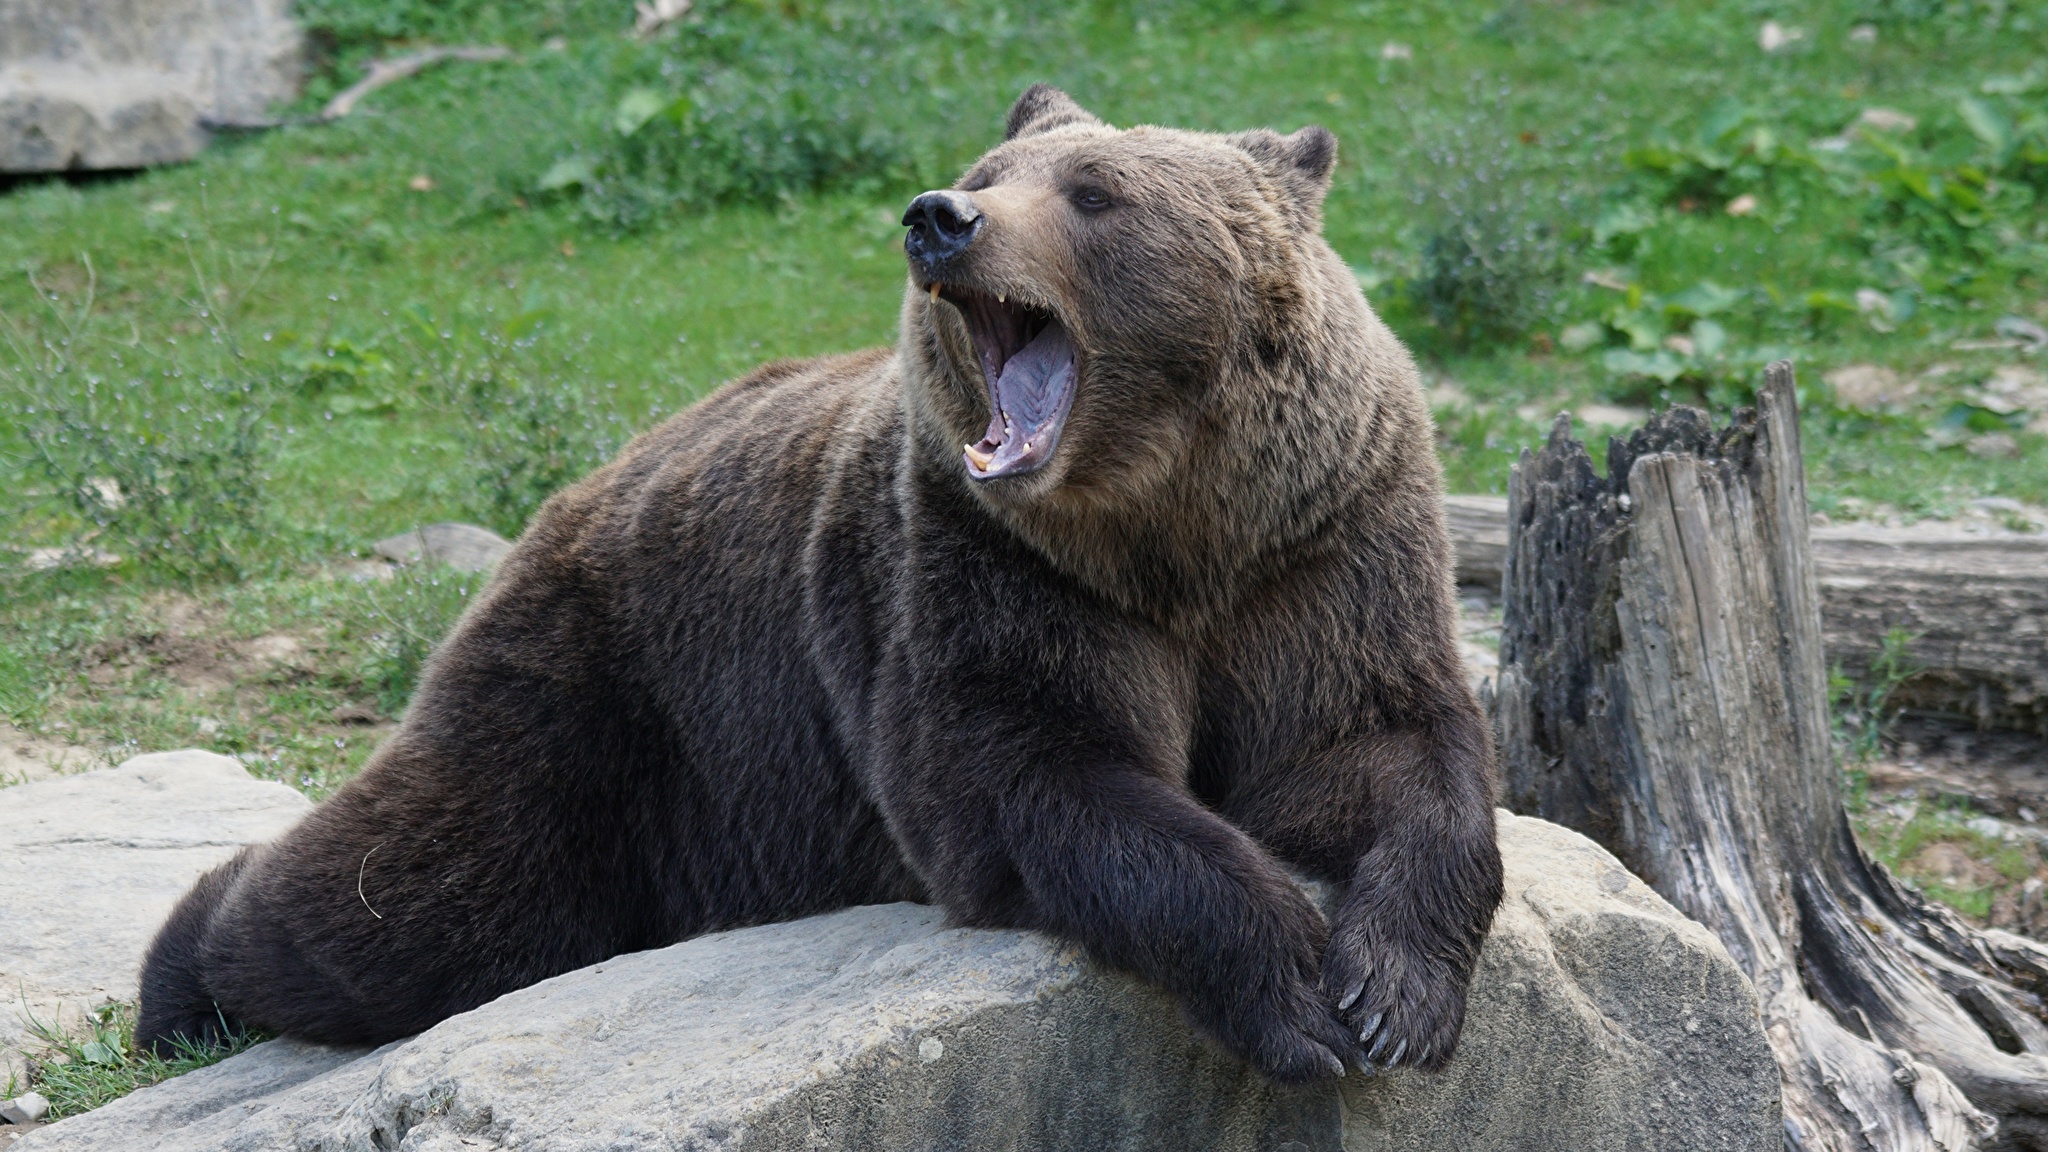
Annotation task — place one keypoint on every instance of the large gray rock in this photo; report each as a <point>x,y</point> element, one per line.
<point>92,863</point>
<point>129,83</point>
<point>1601,1019</point>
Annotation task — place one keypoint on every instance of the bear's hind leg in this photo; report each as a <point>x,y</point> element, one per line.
<point>177,1006</point>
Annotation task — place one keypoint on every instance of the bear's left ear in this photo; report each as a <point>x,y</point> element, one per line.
<point>1043,108</point>
<point>1303,161</point>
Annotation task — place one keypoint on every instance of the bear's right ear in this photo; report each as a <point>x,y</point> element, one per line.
<point>1043,108</point>
<point>1303,161</point>
<point>1307,155</point>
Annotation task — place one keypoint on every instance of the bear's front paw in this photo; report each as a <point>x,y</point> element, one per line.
<point>1403,1003</point>
<point>1291,1035</point>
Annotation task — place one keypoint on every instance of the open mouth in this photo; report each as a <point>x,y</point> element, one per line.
<point>1028,362</point>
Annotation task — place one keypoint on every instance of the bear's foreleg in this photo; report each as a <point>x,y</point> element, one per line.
<point>1149,881</point>
<point>1030,756</point>
<point>1422,893</point>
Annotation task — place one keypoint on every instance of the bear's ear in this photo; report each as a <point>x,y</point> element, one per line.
<point>1303,160</point>
<point>1314,152</point>
<point>1042,108</point>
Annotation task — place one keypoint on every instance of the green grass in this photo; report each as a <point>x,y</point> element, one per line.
<point>286,350</point>
<point>81,1068</point>
<point>659,315</point>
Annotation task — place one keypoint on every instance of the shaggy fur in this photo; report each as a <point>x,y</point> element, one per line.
<point>786,655</point>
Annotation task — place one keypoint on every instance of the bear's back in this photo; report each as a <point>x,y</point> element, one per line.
<point>667,592</point>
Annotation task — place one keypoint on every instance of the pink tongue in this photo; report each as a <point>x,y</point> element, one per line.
<point>1032,398</point>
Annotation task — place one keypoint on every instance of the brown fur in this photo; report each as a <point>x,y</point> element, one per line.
<point>784,655</point>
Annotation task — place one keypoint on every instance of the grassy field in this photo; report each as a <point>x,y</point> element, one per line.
<point>221,382</point>
<point>1495,158</point>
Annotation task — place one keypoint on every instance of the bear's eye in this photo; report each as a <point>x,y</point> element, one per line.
<point>1090,199</point>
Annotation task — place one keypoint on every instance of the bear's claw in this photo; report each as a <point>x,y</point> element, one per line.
<point>1351,997</point>
<point>1380,1045</point>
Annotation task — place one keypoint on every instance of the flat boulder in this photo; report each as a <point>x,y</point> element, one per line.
<point>132,83</point>
<point>1600,1019</point>
<point>93,863</point>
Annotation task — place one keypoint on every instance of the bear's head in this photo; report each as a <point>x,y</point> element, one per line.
<point>1088,306</point>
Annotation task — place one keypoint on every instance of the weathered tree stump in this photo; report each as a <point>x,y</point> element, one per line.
<point>1662,689</point>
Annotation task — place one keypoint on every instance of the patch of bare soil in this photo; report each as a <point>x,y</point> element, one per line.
<point>25,757</point>
<point>181,675</point>
<point>185,642</point>
<point>1949,863</point>
<point>1989,834</point>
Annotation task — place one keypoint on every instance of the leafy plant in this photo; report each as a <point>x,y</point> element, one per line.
<point>1731,151</point>
<point>1960,192</point>
<point>1622,226</point>
<point>1913,190</point>
<point>352,378</point>
<point>1485,276</point>
<point>80,1070</point>
<point>1491,258</point>
<point>1963,187</point>
<point>1673,346</point>
<point>528,438</point>
<point>1962,421</point>
<point>525,432</point>
<point>755,103</point>
<point>1862,712</point>
<point>169,469</point>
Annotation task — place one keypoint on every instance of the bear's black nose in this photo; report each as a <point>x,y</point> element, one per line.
<point>942,225</point>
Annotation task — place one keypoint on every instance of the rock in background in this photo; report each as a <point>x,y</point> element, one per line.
<point>463,547</point>
<point>93,863</point>
<point>1601,1019</point>
<point>131,83</point>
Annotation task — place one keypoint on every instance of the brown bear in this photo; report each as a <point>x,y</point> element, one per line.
<point>1118,590</point>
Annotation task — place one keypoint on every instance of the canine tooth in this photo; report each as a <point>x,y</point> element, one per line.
<point>980,459</point>
<point>935,292</point>
<point>1002,299</point>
